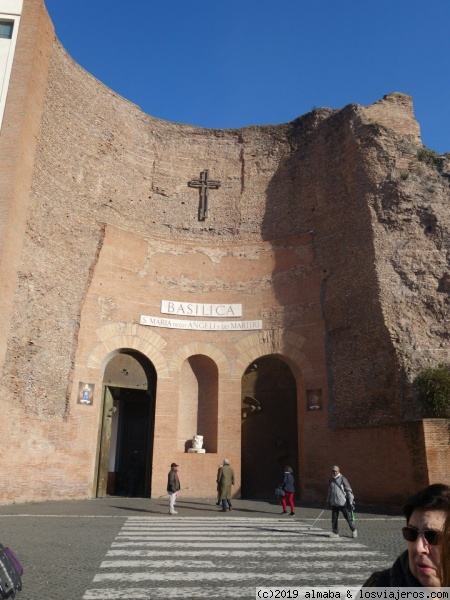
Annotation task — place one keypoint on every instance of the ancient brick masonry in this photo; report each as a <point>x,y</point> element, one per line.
<point>332,229</point>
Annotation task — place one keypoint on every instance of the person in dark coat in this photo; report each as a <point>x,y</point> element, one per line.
<point>219,502</point>
<point>225,479</point>
<point>339,496</point>
<point>419,565</point>
<point>289,489</point>
<point>173,487</point>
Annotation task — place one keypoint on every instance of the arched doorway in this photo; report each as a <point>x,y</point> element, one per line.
<point>198,404</point>
<point>269,426</point>
<point>129,392</point>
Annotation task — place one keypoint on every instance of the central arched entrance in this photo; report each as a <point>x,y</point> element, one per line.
<point>269,426</point>
<point>129,391</point>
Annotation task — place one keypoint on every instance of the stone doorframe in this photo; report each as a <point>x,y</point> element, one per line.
<point>118,336</point>
<point>115,337</point>
<point>280,342</point>
<point>288,346</point>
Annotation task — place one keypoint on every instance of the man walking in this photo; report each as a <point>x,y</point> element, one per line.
<point>225,479</point>
<point>340,495</point>
<point>173,486</point>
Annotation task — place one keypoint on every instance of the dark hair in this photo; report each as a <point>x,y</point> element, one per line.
<point>433,497</point>
<point>288,469</point>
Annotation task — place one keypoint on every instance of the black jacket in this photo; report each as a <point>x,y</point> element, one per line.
<point>173,483</point>
<point>399,575</point>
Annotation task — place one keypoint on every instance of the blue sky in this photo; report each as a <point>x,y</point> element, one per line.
<point>232,63</point>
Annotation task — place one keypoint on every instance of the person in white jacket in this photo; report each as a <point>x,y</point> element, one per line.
<point>340,495</point>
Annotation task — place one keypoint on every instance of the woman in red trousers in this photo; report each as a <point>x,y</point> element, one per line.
<point>289,490</point>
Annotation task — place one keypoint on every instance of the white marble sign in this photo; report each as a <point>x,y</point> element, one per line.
<point>200,325</point>
<point>194,309</point>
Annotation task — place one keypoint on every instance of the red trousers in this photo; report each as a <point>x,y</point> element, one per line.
<point>289,496</point>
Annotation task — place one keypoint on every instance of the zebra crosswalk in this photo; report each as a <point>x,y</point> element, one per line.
<point>207,557</point>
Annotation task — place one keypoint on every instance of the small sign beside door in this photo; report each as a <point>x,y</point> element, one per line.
<point>313,399</point>
<point>86,393</point>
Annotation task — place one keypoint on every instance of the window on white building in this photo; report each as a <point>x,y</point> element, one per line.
<point>6,29</point>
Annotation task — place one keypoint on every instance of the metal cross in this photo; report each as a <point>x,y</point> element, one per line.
<point>204,184</point>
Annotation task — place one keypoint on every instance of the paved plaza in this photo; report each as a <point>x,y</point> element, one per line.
<point>125,548</point>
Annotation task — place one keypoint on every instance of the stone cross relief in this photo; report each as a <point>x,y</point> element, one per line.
<point>204,184</point>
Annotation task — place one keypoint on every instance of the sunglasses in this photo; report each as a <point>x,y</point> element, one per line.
<point>431,536</point>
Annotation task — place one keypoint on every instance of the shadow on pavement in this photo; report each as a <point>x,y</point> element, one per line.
<point>131,509</point>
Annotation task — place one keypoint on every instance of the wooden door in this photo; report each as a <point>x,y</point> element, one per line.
<point>105,443</point>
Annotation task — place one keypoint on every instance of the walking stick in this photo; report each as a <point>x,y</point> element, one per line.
<point>311,526</point>
<point>164,495</point>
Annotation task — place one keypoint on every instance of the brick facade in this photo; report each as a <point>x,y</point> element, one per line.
<point>310,231</point>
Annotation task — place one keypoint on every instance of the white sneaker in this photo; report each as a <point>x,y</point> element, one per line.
<point>173,512</point>
<point>334,535</point>
<point>354,534</point>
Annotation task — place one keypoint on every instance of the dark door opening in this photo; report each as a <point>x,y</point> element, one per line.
<point>269,427</point>
<point>132,457</point>
<point>126,447</point>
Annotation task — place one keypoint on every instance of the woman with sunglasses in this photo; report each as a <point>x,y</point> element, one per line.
<point>445,553</point>
<point>419,565</point>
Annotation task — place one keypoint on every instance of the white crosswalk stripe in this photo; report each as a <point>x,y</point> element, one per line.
<point>203,557</point>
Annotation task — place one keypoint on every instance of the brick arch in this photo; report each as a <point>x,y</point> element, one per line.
<point>133,337</point>
<point>194,348</point>
<point>281,342</point>
<point>198,402</point>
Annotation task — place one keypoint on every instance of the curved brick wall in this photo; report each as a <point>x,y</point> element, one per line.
<point>100,160</point>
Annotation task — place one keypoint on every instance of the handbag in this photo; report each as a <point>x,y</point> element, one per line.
<point>279,492</point>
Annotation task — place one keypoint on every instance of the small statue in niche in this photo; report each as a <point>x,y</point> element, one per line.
<point>197,442</point>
